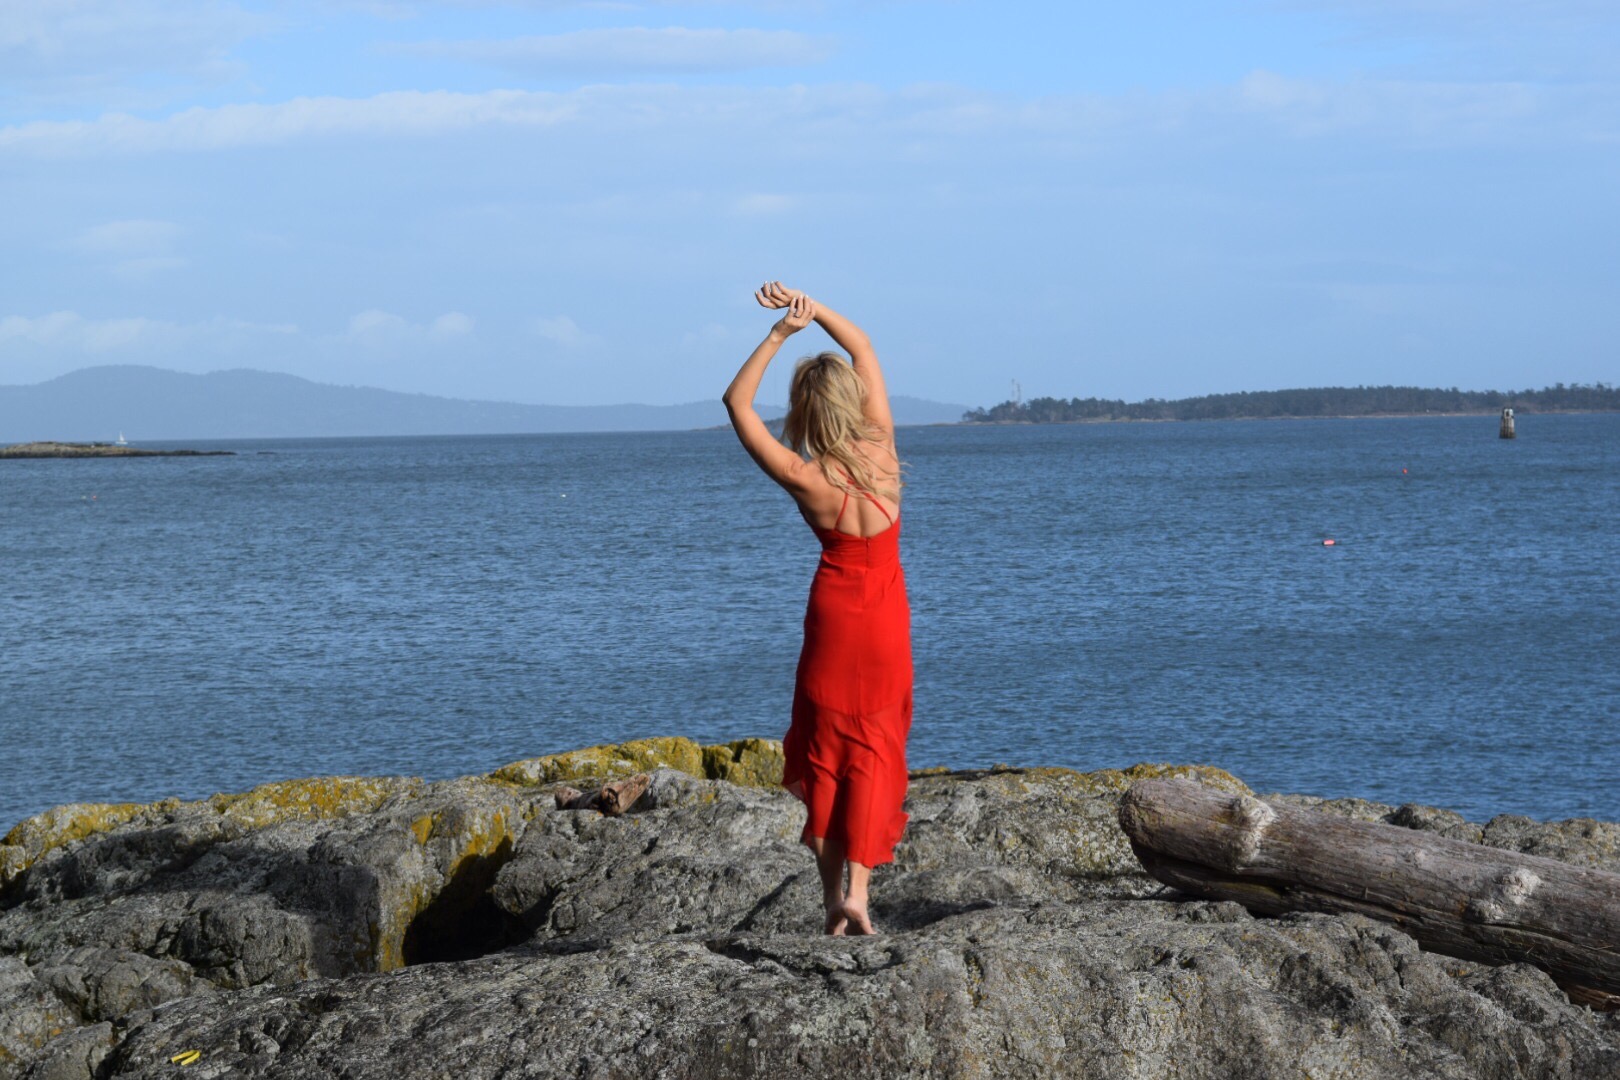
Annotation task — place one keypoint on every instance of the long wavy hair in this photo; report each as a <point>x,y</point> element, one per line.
<point>826,417</point>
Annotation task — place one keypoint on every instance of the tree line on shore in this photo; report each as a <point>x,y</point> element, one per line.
<point>1322,401</point>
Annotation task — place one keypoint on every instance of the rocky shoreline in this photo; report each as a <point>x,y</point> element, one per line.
<point>389,927</point>
<point>97,449</point>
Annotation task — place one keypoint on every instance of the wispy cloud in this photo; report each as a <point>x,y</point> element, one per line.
<point>564,331</point>
<point>405,112</point>
<point>68,331</point>
<point>760,204</point>
<point>139,51</point>
<point>892,123</point>
<point>710,337</point>
<point>635,50</point>
<point>134,249</point>
<point>384,331</point>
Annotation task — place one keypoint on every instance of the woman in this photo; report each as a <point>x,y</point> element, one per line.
<point>846,744</point>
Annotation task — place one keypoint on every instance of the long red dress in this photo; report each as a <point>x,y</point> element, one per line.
<point>852,696</point>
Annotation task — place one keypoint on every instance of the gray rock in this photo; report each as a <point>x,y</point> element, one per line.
<point>76,1055</point>
<point>402,930</point>
<point>1096,988</point>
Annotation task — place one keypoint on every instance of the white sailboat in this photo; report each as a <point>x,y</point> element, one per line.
<point>121,440</point>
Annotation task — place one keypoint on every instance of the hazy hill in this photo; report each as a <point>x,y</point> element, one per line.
<point>148,403</point>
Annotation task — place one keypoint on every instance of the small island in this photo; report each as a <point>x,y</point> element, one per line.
<point>1304,404</point>
<point>97,449</point>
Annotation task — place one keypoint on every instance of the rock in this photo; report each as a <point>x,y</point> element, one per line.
<point>397,929</point>
<point>30,1014</point>
<point>82,450</point>
<point>1096,989</point>
<point>30,839</point>
<point>750,762</point>
<point>604,762</point>
<point>77,1055</point>
<point>286,883</point>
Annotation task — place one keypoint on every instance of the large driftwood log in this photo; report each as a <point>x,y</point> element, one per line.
<point>1461,899</point>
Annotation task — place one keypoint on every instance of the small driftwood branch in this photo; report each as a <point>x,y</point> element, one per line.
<point>1461,899</point>
<point>611,799</point>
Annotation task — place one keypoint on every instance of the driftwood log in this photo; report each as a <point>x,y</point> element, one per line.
<point>1464,900</point>
<point>611,799</point>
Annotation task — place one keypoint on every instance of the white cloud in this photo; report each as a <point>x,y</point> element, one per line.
<point>68,331</point>
<point>667,50</point>
<point>133,237</point>
<point>405,112</point>
<point>762,205</point>
<point>450,325</point>
<point>914,123</point>
<point>135,249</point>
<point>57,50</point>
<point>710,336</point>
<point>385,331</point>
<point>1451,111</point>
<point>561,330</point>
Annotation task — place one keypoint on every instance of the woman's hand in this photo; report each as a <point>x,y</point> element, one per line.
<point>801,313</point>
<point>773,294</point>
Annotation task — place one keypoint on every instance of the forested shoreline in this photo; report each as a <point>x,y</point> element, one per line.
<point>1318,402</point>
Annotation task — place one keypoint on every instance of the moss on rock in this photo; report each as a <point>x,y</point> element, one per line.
<point>606,761</point>
<point>311,799</point>
<point>749,762</point>
<point>30,839</point>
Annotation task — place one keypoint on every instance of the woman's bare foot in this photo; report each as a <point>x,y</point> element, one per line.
<point>837,924</point>
<point>855,912</point>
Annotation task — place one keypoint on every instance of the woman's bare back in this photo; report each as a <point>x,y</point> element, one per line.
<point>821,505</point>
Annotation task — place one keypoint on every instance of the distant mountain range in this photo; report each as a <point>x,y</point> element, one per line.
<point>148,403</point>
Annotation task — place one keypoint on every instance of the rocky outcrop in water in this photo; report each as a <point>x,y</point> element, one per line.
<point>99,449</point>
<point>395,928</point>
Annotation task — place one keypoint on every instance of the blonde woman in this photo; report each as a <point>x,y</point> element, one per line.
<point>846,742</point>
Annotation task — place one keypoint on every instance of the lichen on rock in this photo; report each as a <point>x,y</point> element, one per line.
<point>399,929</point>
<point>751,762</point>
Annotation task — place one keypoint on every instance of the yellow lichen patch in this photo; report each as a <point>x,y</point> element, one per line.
<point>601,762</point>
<point>468,846</point>
<point>320,797</point>
<point>1102,781</point>
<point>30,839</point>
<point>750,762</point>
<point>422,828</point>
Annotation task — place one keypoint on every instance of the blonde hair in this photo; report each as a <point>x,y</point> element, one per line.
<point>827,416</point>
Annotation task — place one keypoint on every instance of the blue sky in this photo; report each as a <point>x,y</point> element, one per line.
<point>569,203</point>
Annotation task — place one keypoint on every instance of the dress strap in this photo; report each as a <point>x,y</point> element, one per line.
<point>878,505</point>
<point>851,480</point>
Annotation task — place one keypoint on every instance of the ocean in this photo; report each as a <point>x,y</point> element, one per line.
<point>1082,595</point>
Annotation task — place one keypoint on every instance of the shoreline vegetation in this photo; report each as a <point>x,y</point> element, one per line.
<point>1332,402</point>
<point>48,449</point>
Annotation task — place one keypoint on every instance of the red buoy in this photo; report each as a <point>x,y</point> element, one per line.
<point>1329,543</point>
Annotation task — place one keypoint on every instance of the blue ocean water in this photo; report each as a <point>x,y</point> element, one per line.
<point>1082,595</point>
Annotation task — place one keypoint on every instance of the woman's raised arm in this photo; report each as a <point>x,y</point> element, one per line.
<point>853,340</point>
<point>781,464</point>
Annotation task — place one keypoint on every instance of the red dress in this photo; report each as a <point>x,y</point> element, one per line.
<point>852,696</point>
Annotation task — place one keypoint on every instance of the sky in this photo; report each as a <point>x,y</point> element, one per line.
<point>570,203</point>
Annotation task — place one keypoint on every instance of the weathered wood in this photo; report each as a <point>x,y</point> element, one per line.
<point>1464,900</point>
<point>612,799</point>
